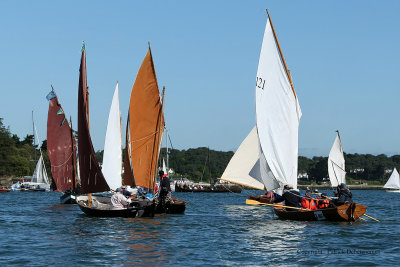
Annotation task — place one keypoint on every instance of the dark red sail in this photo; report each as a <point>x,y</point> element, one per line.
<point>92,179</point>
<point>60,146</point>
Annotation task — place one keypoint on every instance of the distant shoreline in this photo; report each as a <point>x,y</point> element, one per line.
<point>352,187</point>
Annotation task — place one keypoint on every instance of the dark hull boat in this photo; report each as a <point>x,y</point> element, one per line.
<point>100,206</point>
<point>67,198</point>
<point>343,213</point>
<point>209,189</point>
<point>176,206</point>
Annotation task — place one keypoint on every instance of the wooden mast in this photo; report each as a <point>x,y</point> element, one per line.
<point>283,58</point>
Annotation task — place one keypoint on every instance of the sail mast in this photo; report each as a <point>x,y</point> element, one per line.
<point>281,54</point>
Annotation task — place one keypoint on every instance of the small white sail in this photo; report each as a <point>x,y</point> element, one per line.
<point>394,181</point>
<point>112,158</point>
<point>243,161</point>
<point>278,115</point>
<point>336,168</point>
<point>164,167</point>
<point>40,173</point>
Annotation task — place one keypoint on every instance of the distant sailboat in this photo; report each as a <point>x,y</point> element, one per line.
<point>394,182</point>
<point>336,168</point>
<point>61,147</point>
<point>112,157</point>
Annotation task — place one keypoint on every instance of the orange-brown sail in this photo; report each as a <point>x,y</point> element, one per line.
<point>92,179</point>
<point>146,124</point>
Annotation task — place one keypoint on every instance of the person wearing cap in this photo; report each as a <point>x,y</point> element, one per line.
<point>344,194</point>
<point>290,196</point>
<point>119,201</point>
<point>164,190</point>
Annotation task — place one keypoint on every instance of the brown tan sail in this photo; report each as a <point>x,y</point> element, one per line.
<point>146,125</point>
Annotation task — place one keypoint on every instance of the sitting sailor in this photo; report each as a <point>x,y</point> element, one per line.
<point>119,201</point>
<point>344,194</point>
<point>291,197</point>
<point>323,201</point>
<point>308,202</point>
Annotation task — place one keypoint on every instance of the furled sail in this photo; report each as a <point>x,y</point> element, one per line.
<point>60,146</point>
<point>336,169</point>
<point>146,125</point>
<point>92,179</point>
<point>394,180</point>
<point>112,157</point>
<point>239,168</point>
<point>278,115</point>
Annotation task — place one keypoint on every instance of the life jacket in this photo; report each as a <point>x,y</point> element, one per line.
<point>308,203</point>
<point>323,203</point>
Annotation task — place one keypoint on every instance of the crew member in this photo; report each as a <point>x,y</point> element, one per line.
<point>344,194</point>
<point>323,201</point>
<point>119,201</point>
<point>308,202</point>
<point>164,190</point>
<point>291,197</point>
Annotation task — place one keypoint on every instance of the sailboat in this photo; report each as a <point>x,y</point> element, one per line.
<point>393,184</point>
<point>336,168</point>
<point>39,179</point>
<point>61,147</point>
<point>278,115</point>
<point>145,126</point>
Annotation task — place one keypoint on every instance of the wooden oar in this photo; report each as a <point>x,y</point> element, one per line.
<point>371,217</point>
<point>255,202</point>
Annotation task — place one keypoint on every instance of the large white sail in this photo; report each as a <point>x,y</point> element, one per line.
<point>243,161</point>
<point>278,115</point>
<point>112,158</point>
<point>394,181</point>
<point>336,169</point>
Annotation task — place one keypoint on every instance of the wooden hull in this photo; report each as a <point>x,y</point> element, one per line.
<point>178,206</point>
<point>67,198</point>
<point>343,213</point>
<point>100,206</point>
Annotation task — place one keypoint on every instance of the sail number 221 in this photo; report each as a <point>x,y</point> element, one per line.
<point>260,83</point>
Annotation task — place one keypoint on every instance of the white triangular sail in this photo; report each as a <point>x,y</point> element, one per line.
<point>239,169</point>
<point>277,114</point>
<point>336,168</point>
<point>40,173</point>
<point>112,158</point>
<point>394,181</point>
<point>164,167</point>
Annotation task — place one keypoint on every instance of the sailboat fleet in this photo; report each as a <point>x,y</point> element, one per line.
<point>265,160</point>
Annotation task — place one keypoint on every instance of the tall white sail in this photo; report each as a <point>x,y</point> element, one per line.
<point>112,158</point>
<point>239,169</point>
<point>278,115</point>
<point>164,167</point>
<point>394,181</point>
<point>336,168</point>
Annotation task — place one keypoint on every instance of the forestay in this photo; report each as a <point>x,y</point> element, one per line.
<point>278,115</point>
<point>336,168</point>
<point>394,180</point>
<point>112,158</point>
<point>245,158</point>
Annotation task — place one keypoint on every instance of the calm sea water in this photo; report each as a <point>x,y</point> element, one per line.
<point>216,229</point>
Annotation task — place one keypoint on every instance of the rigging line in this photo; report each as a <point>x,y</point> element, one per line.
<point>334,173</point>
<point>62,164</point>
<point>337,165</point>
<point>147,136</point>
<point>172,147</point>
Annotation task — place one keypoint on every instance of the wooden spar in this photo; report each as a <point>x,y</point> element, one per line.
<point>239,184</point>
<point>159,129</point>
<point>371,217</point>
<point>74,182</point>
<point>283,58</point>
<point>255,202</point>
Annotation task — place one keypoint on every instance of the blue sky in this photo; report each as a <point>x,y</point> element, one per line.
<point>343,56</point>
